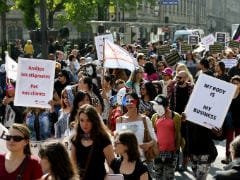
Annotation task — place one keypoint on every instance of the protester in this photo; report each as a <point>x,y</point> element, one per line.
<point>85,84</point>
<point>91,144</point>
<point>167,125</point>
<point>56,163</point>
<point>39,122</point>
<point>18,163</point>
<point>150,72</point>
<point>28,49</point>
<point>81,98</point>
<point>167,76</point>
<point>235,70</point>
<point>220,71</point>
<point>129,163</point>
<point>235,118</point>
<point>191,63</point>
<point>231,171</point>
<point>135,79</point>
<point>11,113</point>
<point>141,59</point>
<point>133,120</point>
<point>148,93</point>
<point>161,65</point>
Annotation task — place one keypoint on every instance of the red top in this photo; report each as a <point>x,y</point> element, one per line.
<point>165,134</point>
<point>32,170</point>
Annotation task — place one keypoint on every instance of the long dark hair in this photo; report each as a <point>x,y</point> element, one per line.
<point>151,91</point>
<point>80,95</point>
<point>98,128</point>
<point>61,165</point>
<point>128,138</point>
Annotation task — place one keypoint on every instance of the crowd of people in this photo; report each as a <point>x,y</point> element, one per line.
<point>105,114</point>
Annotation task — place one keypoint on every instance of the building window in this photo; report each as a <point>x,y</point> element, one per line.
<point>15,32</point>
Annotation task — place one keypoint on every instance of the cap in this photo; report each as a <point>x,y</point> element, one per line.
<point>160,100</point>
<point>168,71</point>
<point>153,56</point>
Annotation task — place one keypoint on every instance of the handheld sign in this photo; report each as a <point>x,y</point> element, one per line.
<point>207,41</point>
<point>165,49</point>
<point>216,48</point>
<point>185,48</point>
<point>234,44</point>
<point>35,80</point>
<point>229,62</point>
<point>3,133</point>
<point>99,41</point>
<point>193,39</point>
<point>172,58</point>
<point>221,37</point>
<point>209,101</point>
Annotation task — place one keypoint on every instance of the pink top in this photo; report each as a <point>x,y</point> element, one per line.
<point>151,77</point>
<point>32,170</point>
<point>166,134</point>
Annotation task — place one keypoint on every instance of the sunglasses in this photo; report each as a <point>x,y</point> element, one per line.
<point>64,97</point>
<point>14,138</point>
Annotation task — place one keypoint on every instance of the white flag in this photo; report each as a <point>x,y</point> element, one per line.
<point>11,68</point>
<point>117,57</point>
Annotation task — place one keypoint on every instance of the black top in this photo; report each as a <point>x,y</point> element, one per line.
<point>96,168</point>
<point>140,169</point>
<point>182,96</point>
<point>234,109</point>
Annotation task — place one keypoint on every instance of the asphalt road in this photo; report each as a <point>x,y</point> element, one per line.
<point>217,165</point>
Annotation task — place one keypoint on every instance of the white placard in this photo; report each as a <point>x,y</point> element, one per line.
<point>207,41</point>
<point>229,62</point>
<point>3,132</point>
<point>99,42</point>
<point>35,80</point>
<point>209,101</point>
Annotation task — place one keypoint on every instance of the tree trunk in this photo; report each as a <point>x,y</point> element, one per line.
<point>3,34</point>
<point>50,19</point>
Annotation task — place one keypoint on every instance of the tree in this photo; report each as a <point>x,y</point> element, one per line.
<point>4,8</point>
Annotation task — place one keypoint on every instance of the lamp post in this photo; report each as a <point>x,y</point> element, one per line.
<point>43,17</point>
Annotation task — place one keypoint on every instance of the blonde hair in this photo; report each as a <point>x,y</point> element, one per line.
<point>183,67</point>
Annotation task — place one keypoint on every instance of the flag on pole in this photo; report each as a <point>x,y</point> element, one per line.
<point>11,67</point>
<point>117,57</point>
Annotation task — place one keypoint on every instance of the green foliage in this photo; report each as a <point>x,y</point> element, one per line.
<point>4,7</point>
<point>30,18</point>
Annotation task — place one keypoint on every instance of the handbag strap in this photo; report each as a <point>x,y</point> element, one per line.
<point>147,136</point>
<point>19,176</point>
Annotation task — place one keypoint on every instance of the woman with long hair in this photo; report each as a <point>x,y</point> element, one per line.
<point>56,163</point>
<point>85,84</point>
<point>148,93</point>
<point>91,144</point>
<point>220,71</point>
<point>129,164</point>
<point>135,79</point>
<point>18,163</point>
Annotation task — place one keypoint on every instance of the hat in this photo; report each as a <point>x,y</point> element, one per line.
<point>153,56</point>
<point>168,71</point>
<point>2,68</point>
<point>89,59</point>
<point>160,100</point>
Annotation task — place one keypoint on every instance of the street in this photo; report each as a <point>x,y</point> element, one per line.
<point>217,165</point>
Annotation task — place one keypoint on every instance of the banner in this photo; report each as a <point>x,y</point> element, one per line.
<point>185,48</point>
<point>216,48</point>
<point>11,67</point>
<point>35,80</point>
<point>234,44</point>
<point>172,58</point>
<point>209,101</point>
<point>117,57</point>
<point>164,49</point>
<point>99,41</point>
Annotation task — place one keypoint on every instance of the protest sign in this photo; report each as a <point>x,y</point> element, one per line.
<point>172,58</point>
<point>35,80</point>
<point>193,39</point>
<point>229,62</point>
<point>3,132</point>
<point>221,37</point>
<point>207,41</point>
<point>99,41</point>
<point>165,49</point>
<point>215,48</point>
<point>209,101</point>
<point>234,44</point>
<point>185,48</point>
